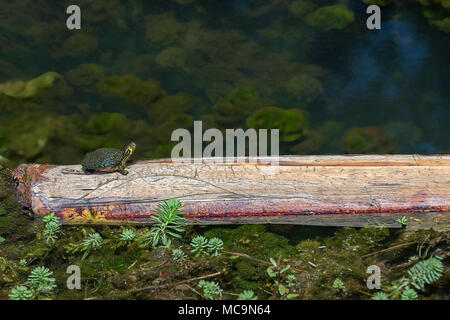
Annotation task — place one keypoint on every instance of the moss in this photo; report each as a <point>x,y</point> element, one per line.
<point>300,8</point>
<point>255,241</point>
<point>305,88</point>
<point>443,25</point>
<point>79,45</point>
<point>28,89</point>
<point>133,89</point>
<point>106,122</point>
<point>291,123</point>
<point>172,57</point>
<point>381,3</point>
<point>239,103</point>
<point>85,76</point>
<point>164,29</point>
<point>367,140</point>
<point>331,17</point>
<point>360,241</point>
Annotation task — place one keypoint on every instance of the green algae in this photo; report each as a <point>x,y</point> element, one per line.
<point>331,17</point>
<point>28,89</point>
<point>291,123</point>
<point>367,140</point>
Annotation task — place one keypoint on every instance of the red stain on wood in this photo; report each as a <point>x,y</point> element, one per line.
<point>241,208</point>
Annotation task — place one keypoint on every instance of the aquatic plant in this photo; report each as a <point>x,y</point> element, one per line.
<point>409,294</point>
<point>51,231</point>
<point>168,223</point>
<point>330,17</point>
<point>2,239</point>
<point>199,245</point>
<point>291,280</point>
<point>20,293</point>
<point>256,241</point>
<point>86,76</point>
<point>275,271</point>
<point>247,295</point>
<point>51,228</point>
<point>178,254</point>
<point>214,246</point>
<point>426,272</point>
<point>422,273</point>
<point>41,279</point>
<point>128,235</point>
<point>132,89</point>
<point>291,123</point>
<point>300,8</point>
<point>23,262</point>
<point>305,88</point>
<point>211,289</point>
<point>380,296</point>
<point>403,220</point>
<point>367,140</point>
<point>93,241</point>
<point>28,89</point>
<point>79,45</point>
<point>238,104</point>
<point>338,284</point>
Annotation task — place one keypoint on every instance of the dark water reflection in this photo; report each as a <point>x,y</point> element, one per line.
<point>390,86</point>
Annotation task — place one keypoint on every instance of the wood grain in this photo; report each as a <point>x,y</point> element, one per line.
<point>323,190</point>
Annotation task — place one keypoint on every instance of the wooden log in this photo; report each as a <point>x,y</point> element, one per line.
<point>315,190</point>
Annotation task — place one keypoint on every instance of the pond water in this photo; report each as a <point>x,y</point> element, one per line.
<point>140,69</point>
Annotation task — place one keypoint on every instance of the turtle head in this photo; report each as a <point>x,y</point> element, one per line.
<point>128,151</point>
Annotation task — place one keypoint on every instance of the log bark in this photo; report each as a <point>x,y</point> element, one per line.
<point>317,190</point>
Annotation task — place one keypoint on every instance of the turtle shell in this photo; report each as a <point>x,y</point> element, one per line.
<point>102,159</point>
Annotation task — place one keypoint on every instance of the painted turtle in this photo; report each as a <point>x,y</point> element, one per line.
<point>108,159</point>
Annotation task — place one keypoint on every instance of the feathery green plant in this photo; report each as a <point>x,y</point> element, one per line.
<point>410,294</point>
<point>426,272</point>
<point>168,223</point>
<point>380,296</point>
<point>178,254</point>
<point>128,235</point>
<point>51,232</point>
<point>247,295</point>
<point>291,280</point>
<point>23,262</point>
<point>20,293</point>
<point>338,284</point>
<point>51,228</point>
<point>199,245</point>
<point>94,241</point>
<point>403,220</point>
<point>214,246</point>
<point>211,289</point>
<point>422,273</point>
<point>50,218</point>
<point>42,279</point>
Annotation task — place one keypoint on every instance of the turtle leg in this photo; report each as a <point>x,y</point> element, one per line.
<point>122,170</point>
<point>87,171</point>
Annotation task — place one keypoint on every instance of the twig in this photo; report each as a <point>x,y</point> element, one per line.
<point>406,264</point>
<point>246,256</point>
<point>176,283</point>
<point>387,249</point>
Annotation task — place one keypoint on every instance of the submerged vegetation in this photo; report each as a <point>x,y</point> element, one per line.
<point>243,262</point>
<point>232,65</point>
<point>140,69</point>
